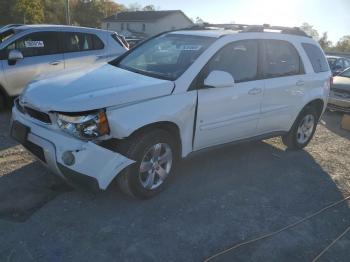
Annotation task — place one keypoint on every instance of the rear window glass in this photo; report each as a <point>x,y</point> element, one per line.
<point>317,58</point>
<point>77,42</point>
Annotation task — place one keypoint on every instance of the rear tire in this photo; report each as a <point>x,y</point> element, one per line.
<point>302,130</point>
<point>155,154</point>
<point>3,104</point>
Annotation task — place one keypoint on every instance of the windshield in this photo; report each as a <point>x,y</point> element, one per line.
<point>167,56</point>
<point>346,73</point>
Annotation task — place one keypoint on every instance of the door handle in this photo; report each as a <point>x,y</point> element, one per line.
<point>255,91</point>
<point>300,83</point>
<point>54,63</point>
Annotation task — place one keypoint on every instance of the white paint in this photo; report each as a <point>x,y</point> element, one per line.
<point>230,112</point>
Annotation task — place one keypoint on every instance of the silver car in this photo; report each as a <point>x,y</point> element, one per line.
<point>339,97</point>
<point>28,51</point>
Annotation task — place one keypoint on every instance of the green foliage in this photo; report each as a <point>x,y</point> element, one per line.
<point>32,11</point>
<point>309,29</point>
<point>325,43</point>
<point>89,13</point>
<point>55,12</point>
<point>343,44</point>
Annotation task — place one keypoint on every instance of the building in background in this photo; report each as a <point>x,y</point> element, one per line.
<point>144,24</point>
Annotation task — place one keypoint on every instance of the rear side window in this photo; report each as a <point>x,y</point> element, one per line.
<point>281,59</point>
<point>316,57</point>
<point>78,42</point>
<point>97,42</point>
<point>36,44</point>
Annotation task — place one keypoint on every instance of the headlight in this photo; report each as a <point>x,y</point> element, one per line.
<point>86,126</point>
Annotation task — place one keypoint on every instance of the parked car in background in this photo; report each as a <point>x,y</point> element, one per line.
<point>133,41</point>
<point>338,64</point>
<point>339,97</point>
<point>31,50</point>
<point>133,118</point>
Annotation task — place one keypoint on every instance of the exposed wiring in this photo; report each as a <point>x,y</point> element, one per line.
<point>331,244</point>
<point>281,230</point>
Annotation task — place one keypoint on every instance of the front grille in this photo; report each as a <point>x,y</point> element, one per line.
<point>35,150</point>
<point>341,92</point>
<point>43,117</point>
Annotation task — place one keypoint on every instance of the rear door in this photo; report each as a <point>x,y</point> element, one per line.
<point>285,85</point>
<point>81,49</point>
<point>230,113</point>
<point>41,55</point>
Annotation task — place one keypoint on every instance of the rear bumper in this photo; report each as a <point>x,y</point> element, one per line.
<point>93,165</point>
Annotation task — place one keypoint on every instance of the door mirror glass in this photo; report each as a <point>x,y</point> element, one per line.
<point>217,79</point>
<point>15,55</point>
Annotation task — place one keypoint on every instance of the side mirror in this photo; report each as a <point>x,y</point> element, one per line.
<point>338,67</point>
<point>14,56</point>
<point>219,79</point>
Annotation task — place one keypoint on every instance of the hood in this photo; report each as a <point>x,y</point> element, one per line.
<point>341,83</point>
<point>96,87</point>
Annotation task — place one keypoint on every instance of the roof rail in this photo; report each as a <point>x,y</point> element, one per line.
<point>244,28</point>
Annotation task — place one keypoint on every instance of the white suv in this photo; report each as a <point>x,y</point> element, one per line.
<point>175,94</point>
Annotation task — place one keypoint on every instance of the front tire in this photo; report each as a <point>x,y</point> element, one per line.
<point>302,130</point>
<point>155,154</point>
<point>3,103</point>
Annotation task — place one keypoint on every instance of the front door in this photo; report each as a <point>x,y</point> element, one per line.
<point>40,56</point>
<point>230,113</point>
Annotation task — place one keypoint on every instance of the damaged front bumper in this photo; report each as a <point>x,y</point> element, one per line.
<point>72,159</point>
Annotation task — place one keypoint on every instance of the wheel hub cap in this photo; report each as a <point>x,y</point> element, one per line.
<point>155,166</point>
<point>305,129</point>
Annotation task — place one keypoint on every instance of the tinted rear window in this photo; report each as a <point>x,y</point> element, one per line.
<point>317,58</point>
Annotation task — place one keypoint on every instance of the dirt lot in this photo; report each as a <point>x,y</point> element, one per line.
<point>216,200</point>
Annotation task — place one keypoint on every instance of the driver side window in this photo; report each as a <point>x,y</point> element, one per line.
<point>36,44</point>
<point>240,59</point>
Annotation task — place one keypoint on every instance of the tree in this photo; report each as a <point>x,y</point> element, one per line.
<point>111,8</point>
<point>134,7</point>
<point>199,21</point>
<point>5,10</point>
<point>343,44</point>
<point>55,11</point>
<point>309,29</point>
<point>31,11</point>
<point>324,42</point>
<point>88,14</point>
<point>149,8</point>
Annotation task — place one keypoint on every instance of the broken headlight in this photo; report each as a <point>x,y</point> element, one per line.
<point>84,125</point>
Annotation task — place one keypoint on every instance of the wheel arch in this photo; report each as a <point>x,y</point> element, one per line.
<point>318,104</point>
<point>168,126</point>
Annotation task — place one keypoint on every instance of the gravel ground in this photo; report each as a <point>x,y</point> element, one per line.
<point>216,200</point>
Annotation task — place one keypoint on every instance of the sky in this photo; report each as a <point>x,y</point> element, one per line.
<point>332,16</point>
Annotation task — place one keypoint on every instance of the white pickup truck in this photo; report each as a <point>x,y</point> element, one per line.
<point>177,93</point>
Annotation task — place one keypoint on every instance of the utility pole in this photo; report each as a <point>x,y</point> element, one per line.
<point>67,13</point>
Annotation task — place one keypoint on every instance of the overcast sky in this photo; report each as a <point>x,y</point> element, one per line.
<point>332,16</point>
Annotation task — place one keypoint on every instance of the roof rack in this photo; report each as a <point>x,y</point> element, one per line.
<point>244,28</point>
